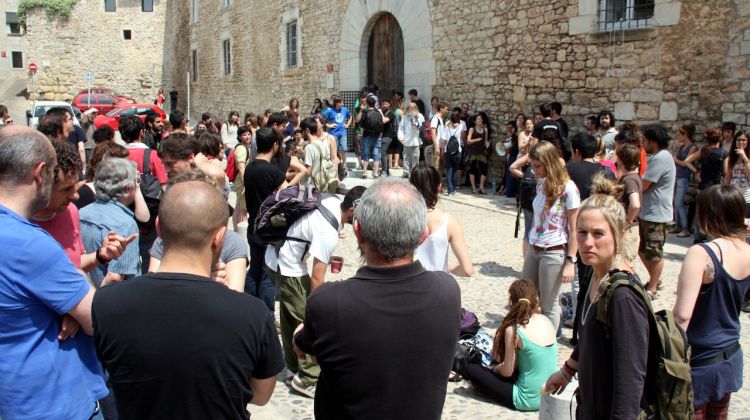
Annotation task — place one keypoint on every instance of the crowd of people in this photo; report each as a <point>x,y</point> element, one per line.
<point>124,293</point>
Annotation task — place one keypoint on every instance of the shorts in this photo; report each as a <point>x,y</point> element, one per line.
<point>341,143</point>
<point>653,235</point>
<point>371,149</point>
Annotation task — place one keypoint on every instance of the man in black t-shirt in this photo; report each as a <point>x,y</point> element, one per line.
<point>390,129</point>
<point>178,344</point>
<point>262,177</point>
<point>582,170</point>
<point>385,338</point>
<point>414,97</point>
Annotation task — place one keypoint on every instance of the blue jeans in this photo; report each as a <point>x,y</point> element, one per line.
<point>371,149</point>
<point>257,282</point>
<point>681,210</point>
<point>451,166</point>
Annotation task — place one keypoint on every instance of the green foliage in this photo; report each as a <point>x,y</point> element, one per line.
<point>55,8</point>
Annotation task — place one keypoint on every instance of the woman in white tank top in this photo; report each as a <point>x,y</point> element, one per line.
<point>444,229</point>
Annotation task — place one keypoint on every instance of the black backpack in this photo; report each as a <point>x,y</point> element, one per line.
<point>374,121</point>
<point>281,209</point>
<point>527,190</point>
<point>151,189</point>
<point>453,147</point>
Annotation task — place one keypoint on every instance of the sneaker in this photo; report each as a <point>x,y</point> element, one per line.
<point>746,305</point>
<point>299,385</point>
<point>288,377</point>
<point>451,194</point>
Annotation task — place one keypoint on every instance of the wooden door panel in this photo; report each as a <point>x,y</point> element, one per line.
<point>385,56</point>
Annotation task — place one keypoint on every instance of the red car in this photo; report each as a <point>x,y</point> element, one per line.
<point>110,92</point>
<point>102,102</point>
<point>112,118</point>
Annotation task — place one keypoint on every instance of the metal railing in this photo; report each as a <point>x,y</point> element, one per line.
<point>615,15</point>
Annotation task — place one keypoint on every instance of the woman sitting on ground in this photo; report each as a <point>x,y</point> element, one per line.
<point>444,228</point>
<point>713,281</point>
<point>525,350</point>
<point>610,361</point>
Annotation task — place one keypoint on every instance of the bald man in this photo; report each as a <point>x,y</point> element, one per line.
<point>42,374</point>
<point>176,343</point>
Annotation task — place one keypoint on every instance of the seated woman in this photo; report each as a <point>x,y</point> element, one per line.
<point>526,349</point>
<point>444,228</point>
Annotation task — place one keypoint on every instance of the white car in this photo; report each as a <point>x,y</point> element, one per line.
<point>40,108</point>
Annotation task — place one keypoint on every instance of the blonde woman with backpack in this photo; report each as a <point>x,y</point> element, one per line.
<point>610,360</point>
<point>713,281</point>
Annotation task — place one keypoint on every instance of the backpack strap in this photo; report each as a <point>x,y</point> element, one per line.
<point>330,218</point>
<point>147,161</point>
<point>618,278</point>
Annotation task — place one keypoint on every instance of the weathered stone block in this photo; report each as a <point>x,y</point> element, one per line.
<point>727,107</point>
<point>745,48</point>
<point>646,95</point>
<point>624,111</point>
<point>668,111</point>
<point>742,107</point>
<point>646,112</point>
<point>734,117</point>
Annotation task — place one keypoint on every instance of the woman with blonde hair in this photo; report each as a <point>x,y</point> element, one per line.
<point>524,353</point>
<point>609,359</point>
<point>551,257</point>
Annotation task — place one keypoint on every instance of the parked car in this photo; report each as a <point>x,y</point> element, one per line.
<point>112,118</point>
<point>39,108</point>
<point>101,101</point>
<point>110,92</point>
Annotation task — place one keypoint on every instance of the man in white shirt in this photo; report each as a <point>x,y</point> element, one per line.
<point>315,234</point>
<point>607,132</point>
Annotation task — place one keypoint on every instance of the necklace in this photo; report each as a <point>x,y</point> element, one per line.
<point>587,302</point>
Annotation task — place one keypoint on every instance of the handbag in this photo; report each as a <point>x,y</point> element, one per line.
<point>465,354</point>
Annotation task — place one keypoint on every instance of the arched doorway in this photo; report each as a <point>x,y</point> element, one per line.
<point>385,56</point>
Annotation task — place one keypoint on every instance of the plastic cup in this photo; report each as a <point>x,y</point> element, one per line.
<point>336,263</point>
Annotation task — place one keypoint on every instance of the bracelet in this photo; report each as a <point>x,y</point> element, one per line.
<point>565,375</point>
<point>567,366</point>
<point>99,257</point>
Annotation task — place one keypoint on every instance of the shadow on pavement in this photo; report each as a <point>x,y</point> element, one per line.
<point>493,269</point>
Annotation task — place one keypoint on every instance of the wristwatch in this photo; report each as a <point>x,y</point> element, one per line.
<point>572,258</point>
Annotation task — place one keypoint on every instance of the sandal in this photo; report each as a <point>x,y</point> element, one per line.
<point>364,176</point>
<point>482,192</point>
<point>474,191</point>
<point>454,377</point>
<point>651,295</point>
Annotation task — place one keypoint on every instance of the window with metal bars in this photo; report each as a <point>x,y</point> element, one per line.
<point>291,45</point>
<point>227,48</point>
<point>625,14</point>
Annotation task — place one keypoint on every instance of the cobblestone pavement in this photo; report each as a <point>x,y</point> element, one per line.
<point>489,223</point>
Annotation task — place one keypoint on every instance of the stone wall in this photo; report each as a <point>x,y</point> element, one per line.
<point>93,40</point>
<point>503,57</point>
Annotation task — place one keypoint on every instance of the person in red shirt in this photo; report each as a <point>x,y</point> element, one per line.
<point>132,131</point>
<point>629,133</point>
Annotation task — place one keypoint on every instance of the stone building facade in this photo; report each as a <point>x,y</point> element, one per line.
<point>13,45</point>
<point>677,62</point>
<point>120,41</point>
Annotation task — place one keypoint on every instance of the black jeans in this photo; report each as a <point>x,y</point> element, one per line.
<point>257,282</point>
<point>491,384</point>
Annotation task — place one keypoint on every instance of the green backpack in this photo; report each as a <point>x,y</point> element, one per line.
<point>669,388</point>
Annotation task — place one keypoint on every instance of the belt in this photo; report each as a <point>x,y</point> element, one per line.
<point>549,248</point>
<point>724,355</point>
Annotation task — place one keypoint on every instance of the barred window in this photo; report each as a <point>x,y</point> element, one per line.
<point>625,14</point>
<point>227,57</point>
<point>291,45</point>
<point>194,64</point>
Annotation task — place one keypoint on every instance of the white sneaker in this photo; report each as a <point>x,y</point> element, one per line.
<point>303,388</point>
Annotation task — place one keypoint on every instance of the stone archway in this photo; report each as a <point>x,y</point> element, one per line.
<point>413,16</point>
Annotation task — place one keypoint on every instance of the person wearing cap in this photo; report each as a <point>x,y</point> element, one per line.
<point>87,123</point>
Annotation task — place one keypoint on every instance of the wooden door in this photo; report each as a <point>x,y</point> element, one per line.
<point>385,56</point>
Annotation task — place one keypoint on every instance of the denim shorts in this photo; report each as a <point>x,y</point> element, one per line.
<point>371,149</point>
<point>341,142</point>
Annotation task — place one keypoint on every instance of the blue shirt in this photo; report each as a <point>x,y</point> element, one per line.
<point>40,376</point>
<point>97,220</point>
<point>340,117</point>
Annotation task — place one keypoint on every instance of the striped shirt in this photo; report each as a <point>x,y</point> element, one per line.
<point>97,220</point>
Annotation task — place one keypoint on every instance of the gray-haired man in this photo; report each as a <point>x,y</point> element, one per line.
<point>116,183</point>
<point>385,338</point>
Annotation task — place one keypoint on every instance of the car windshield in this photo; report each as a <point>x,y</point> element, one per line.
<point>113,112</point>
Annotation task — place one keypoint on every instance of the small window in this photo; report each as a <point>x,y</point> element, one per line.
<point>127,34</point>
<point>195,10</point>
<point>194,64</point>
<point>17,58</point>
<point>147,5</point>
<point>104,100</point>
<point>14,29</point>
<point>11,20</point>
<point>226,3</point>
<point>227,48</point>
<point>110,5</point>
<point>291,44</point>
<point>625,14</point>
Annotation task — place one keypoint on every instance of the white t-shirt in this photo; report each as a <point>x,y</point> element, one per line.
<point>312,227</point>
<point>447,131</point>
<point>550,227</point>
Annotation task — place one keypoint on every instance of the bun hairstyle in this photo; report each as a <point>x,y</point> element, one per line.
<point>524,302</point>
<point>605,196</point>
